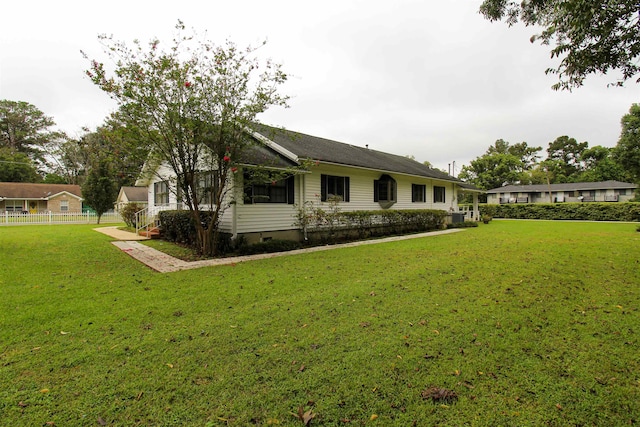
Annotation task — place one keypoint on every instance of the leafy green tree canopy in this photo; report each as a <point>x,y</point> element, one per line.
<point>568,152</point>
<point>17,167</point>
<point>627,152</point>
<point>25,129</point>
<point>590,36</point>
<point>502,164</point>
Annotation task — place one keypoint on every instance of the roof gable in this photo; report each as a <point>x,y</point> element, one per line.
<point>135,194</point>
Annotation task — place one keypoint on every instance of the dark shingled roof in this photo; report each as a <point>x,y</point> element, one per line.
<point>573,186</point>
<point>328,151</point>
<point>23,190</point>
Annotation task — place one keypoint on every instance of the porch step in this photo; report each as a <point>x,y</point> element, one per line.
<point>152,233</point>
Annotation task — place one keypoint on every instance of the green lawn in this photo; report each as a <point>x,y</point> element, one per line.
<point>528,323</point>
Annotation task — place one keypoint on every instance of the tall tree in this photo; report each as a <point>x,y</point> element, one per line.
<point>193,103</point>
<point>499,166</point>
<point>121,145</point>
<point>590,36</point>
<point>527,154</point>
<point>600,164</point>
<point>26,129</point>
<point>99,191</point>
<point>17,167</point>
<point>627,151</point>
<point>568,152</point>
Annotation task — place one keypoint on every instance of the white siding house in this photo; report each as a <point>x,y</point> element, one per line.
<point>363,179</point>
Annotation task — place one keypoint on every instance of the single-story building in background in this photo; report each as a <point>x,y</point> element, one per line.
<point>605,191</point>
<point>128,195</point>
<point>360,178</point>
<point>25,197</point>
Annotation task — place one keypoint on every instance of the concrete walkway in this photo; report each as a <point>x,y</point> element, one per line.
<point>164,263</point>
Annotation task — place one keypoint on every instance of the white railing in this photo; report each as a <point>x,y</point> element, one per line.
<point>148,216</point>
<point>18,218</point>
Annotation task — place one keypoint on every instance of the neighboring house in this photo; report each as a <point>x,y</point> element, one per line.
<point>137,195</point>
<point>38,198</point>
<point>606,191</point>
<point>361,178</point>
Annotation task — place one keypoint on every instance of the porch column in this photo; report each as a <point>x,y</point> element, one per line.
<point>476,209</point>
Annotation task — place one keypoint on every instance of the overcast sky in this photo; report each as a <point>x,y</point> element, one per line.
<point>428,78</point>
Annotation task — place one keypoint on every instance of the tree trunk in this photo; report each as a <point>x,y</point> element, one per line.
<point>205,241</point>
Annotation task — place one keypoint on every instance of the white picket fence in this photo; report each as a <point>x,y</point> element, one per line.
<point>17,218</point>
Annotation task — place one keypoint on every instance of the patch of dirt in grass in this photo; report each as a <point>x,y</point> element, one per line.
<point>440,395</point>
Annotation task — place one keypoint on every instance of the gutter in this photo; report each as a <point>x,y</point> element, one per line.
<point>453,181</point>
<point>274,146</point>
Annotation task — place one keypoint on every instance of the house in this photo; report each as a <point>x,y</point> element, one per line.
<point>359,177</point>
<point>38,198</point>
<point>126,195</point>
<point>606,191</point>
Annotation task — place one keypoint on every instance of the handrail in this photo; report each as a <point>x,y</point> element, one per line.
<point>149,215</point>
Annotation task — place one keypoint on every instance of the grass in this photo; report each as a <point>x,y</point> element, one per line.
<point>529,323</point>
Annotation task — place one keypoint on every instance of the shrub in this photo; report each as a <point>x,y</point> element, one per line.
<point>464,224</point>
<point>128,213</point>
<point>269,246</point>
<point>178,227</point>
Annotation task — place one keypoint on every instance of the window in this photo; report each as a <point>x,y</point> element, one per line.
<point>13,205</point>
<point>207,186</point>
<point>419,193</point>
<point>281,191</point>
<point>384,191</point>
<point>161,193</point>
<point>334,186</point>
<point>439,194</point>
<point>622,192</point>
<point>64,206</point>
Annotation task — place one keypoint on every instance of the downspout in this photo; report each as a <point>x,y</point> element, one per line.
<point>234,220</point>
<point>303,196</point>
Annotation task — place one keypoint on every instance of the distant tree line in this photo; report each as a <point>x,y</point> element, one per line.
<point>567,160</point>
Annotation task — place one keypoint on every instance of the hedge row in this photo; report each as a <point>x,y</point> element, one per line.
<point>344,226</point>
<point>395,220</point>
<point>628,211</point>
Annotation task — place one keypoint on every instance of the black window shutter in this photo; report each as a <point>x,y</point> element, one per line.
<point>323,188</point>
<point>346,188</point>
<point>291,190</point>
<point>375,190</point>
